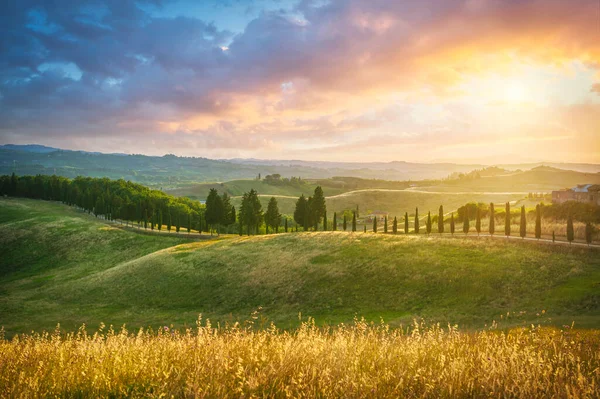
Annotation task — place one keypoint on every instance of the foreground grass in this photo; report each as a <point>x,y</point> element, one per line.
<point>359,360</point>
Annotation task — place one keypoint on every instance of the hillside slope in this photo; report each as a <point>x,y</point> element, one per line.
<point>60,266</point>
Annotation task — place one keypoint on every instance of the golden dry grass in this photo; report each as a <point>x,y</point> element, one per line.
<point>358,360</point>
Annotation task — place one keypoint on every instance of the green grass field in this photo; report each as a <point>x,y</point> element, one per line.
<point>61,266</point>
<point>396,203</point>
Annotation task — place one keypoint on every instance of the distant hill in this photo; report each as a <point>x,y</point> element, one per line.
<point>170,171</point>
<point>40,149</point>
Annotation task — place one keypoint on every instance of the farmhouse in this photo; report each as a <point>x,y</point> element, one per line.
<point>377,214</point>
<point>588,193</point>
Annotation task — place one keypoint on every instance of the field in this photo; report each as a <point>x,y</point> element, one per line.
<point>396,203</point>
<point>358,361</point>
<point>62,266</point>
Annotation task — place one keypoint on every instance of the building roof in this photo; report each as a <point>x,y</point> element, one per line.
<point>378,213</point>
<point>582,188</point>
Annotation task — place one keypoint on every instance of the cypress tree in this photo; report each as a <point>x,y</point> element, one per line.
<point>492,226</point>
<point>146,219</point>
<point>538,221</point>
<point>523,226</point>
<point>365,228</point>
<point>588,233</point>
<point>441,220</point>
<point>286,225</point>
<point>570,230</point>
<point>272,216</point>
<point>334,221</point>
<point>152,222</point>
<point>452,227</point>
<point>354,221</point>
<point>417,221</point>
<point>553,236</point>
<point>385,226</point>
<point>374,224</point>
<point>478,221</point>
<point>178,224</point>
<point>466,221</point>
<point>344,223</point>
<point>428,225</point>
<point>325,221</point>
<point>507,220</point>
<point>405,222</point>
<point>189,223</point>
<point>169,223</point>
<point>160,220</point>
<point>395,226</point>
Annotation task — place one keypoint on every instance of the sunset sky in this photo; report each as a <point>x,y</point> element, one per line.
<point>444,80</point>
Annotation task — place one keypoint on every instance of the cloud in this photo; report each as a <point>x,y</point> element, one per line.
<point>315,73</point>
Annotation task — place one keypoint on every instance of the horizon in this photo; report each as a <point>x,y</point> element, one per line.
<point>319,81</point>
<point>266,160</point>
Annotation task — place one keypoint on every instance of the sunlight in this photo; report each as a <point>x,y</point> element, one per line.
<point>515,93</point>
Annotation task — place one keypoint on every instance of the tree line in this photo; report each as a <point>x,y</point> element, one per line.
<point>111,199</point>
<point>130,202</point>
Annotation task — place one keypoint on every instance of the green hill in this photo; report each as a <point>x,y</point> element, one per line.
<point>59,265</point>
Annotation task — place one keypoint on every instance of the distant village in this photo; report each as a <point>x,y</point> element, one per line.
<point>586,193</point>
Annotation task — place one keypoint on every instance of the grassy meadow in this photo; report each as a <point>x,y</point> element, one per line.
<point>325,314</point>
<point>358,360</point>
<point>62,266</point>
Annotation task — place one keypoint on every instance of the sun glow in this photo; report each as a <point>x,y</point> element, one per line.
<point>515,93</point>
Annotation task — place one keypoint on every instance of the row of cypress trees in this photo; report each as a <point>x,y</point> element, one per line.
<point>130,202</point>
<point>110,199</point>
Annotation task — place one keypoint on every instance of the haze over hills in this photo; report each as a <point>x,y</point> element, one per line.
<point>171,171</point>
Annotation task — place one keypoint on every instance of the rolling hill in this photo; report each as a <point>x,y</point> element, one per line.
<point>61,266</point>
<point>171,172</point>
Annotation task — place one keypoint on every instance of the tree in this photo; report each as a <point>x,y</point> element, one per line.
<point>334,221</point>
<point>365,230</point>
<point>417,221</point>
<point>523,225</point>
<point>385,225</point>
<point>318,208</point>
<point>146,219</point>
<point>588,233</point>
<point>553,236</point>
<point>428,223</point>
<point>169,222</point>
<point>395,226</point>
<point>325,221</point>
<point>452,226</point>
<point>344,225</point>
<point>570,230</point>
<point>251,213</point>
<point>374,224</point>
<point>189,222</point>
<point>478,221</point>
<point>272,216</point>
<point>507,220</point>
<point>466,222</point>
<point>354,221</point>
<point>228,216</point>
<point>177,222</point>
<point>301,212</point>
<point>406,223</point>
<point>160,219</point>
<point>538,221</point>
<point>441,219</point>
<point>214,210</point>
<point>286,224</point>
<point>492,226</point>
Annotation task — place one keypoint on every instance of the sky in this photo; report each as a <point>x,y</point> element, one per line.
<point>485,81</point>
